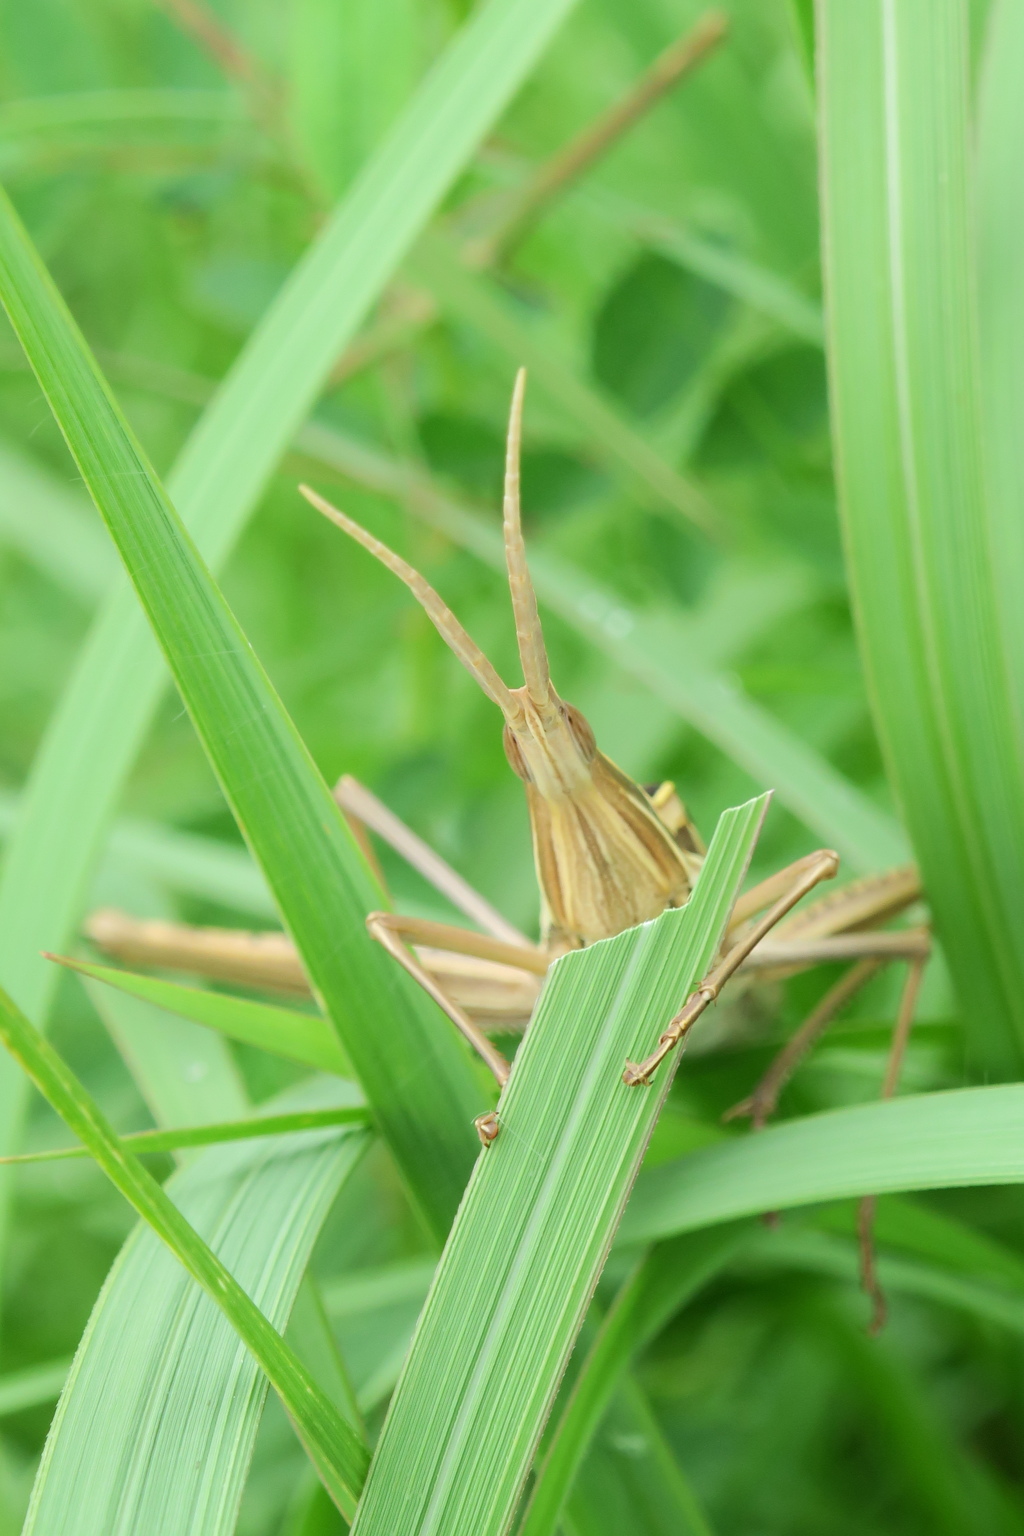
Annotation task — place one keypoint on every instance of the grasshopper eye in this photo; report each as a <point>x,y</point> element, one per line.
<point>581,732</point>
<point>514,753</point>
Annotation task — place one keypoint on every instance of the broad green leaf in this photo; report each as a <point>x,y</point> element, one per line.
<point>661,1283</point>
<point>918,1230</point>
<point>339,1457</point>
<point>922,1141</point>
<point>412,1067</point>
<point>95,733</point>
<point>893,95</point>
<point>538,1217</point>
<point>304,1037</point>
<point>666,654</point>
<point>480,303</point>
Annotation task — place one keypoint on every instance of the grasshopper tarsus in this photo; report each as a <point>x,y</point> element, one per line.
<point>487,1128</point>
<point>635,1077</point>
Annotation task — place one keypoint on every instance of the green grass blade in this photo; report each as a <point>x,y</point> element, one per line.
<point>412,1067</point>
<point>820,1253</point>
<point>303,1037</point>
<point>340,1459</point>
<point>209,1135</point>
<point>609,435</point>
<point>191,865</point>
<point>187,1075</point>
<point>170,1447</point>
<point>893,90</point>
<point>1001,307</point>
<point>913,1227</point>
<point>33,1386</point>
<point>51,526</point>
<point>538,1217</point>
<point>663,653</point>
<point>95,733</point>
<point>379,1286</point>
<point>662,1283</point>
<point>923,1141</point>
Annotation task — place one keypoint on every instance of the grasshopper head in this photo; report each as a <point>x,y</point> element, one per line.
<point>605,860</point>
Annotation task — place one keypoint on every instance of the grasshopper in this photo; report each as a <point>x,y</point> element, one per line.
<point>609,854</point>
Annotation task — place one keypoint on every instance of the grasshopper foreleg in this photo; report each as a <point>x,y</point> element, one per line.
<point>388,933</point>
<point>806,874</point>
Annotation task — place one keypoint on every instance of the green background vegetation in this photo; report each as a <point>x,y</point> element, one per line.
<point>669,309</point>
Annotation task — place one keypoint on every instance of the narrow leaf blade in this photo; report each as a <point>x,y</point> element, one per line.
<point>922,1141</point>
<point>156,1425</point>
<point>903,352</point>
<point>303,1037</point>
<point>414,1071</point>
<point>534,1229</point>
<point>339,1457</point>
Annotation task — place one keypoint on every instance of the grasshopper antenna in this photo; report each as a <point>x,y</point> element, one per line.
<point>437,610</point>
<point>529,635</point>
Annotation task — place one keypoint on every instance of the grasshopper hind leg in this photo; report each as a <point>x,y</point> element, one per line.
<point>762,1103</point>
<point>890,1083</point>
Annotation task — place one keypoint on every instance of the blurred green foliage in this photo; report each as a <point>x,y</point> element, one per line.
<point>170,203</point>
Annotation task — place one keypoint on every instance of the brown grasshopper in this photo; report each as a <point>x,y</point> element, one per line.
<point>609,854</point>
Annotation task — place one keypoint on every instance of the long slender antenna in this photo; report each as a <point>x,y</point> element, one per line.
<point>437,610</point>
<point>529,635</point>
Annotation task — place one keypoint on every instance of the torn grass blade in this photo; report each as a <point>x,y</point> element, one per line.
<point>538,1218</point>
